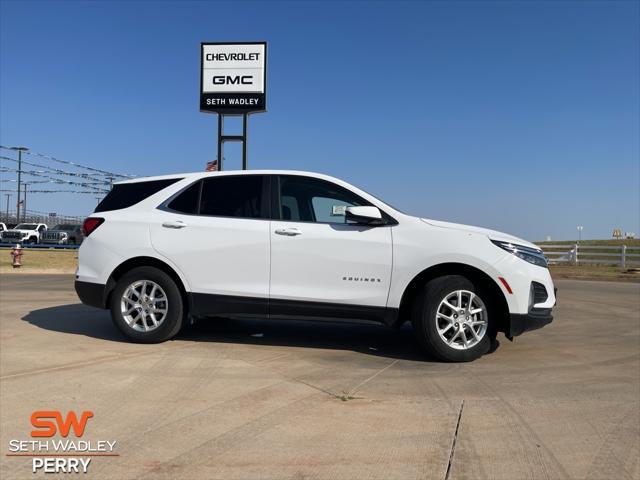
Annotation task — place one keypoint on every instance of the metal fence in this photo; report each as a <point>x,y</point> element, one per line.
<point>618,255</point>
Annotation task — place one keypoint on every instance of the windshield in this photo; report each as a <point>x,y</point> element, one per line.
<point>26,226</point>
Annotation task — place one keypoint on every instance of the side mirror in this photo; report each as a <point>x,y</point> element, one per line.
<point>364,215</point>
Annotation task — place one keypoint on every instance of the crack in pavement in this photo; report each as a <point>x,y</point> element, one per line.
<point>453,443</point>
<point>344,396</point>
<point>353,390</point>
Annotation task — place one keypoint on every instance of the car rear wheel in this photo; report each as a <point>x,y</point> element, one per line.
<point>451,319</point>
<point>146,305</point>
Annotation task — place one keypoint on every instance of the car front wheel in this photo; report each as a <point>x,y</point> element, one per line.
<point>451,319</point>
<point>146,305</point>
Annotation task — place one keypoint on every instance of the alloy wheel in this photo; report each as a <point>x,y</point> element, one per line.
<point>461,319</point>
<point>144,305</point>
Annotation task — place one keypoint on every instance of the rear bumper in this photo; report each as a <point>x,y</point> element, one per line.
<point>91,293</point>
<point>525,322</point>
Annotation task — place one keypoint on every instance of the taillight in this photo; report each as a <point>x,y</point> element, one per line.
<point>90,224</point>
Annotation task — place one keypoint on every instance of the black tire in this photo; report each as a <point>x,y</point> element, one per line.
<point>33,240</point>
<point>424,317</point>
<point>175,311</point>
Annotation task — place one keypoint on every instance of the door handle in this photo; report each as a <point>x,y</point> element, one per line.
<point>289,232</point>
<point>174,224</point>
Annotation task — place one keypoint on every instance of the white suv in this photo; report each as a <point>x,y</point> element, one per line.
<point>298,245</point>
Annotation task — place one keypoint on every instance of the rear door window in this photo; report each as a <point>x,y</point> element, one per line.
<point>187,200</point>
<point>128,194</point>
<point>241,196</point>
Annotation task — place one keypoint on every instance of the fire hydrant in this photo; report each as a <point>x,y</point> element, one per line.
<point>16,253</point>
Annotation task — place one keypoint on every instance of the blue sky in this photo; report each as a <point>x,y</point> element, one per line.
<point>520,116</point>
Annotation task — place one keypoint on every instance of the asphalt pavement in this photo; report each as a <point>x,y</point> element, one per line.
<point>264,399</point>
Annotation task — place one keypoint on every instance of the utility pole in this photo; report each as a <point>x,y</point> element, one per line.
<point>579,227</point>
<point>8,195</point>
<point>24,215</point>
<point>19,150</point>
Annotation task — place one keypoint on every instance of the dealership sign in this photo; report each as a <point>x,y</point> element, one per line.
<point>233,77</point>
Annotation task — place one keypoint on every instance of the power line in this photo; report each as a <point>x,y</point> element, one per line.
<point>47,174</point>
<point>50,169</point>
<point>4,180</point>
<point>77,165</point>
<point>66,182</point>
<point>92,181</point>
<point>91,192</point>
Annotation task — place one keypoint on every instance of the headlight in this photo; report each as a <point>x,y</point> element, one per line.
<point>528,254</point>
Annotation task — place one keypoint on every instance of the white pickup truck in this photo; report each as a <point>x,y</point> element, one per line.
<point>25,233</point>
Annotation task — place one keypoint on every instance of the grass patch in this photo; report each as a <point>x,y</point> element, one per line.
<point>595,272</point>
<point>345,397</point>
<point>41,261</point>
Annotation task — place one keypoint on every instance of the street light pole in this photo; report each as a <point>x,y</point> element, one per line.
<point>579,227</point>
<point>19,150</point>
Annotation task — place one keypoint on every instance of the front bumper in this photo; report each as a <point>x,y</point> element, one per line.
<point>93,294</point>
<point>525,322</point>
<point>14,239</point>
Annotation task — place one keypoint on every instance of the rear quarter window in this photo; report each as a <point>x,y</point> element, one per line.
<point>128,194</point>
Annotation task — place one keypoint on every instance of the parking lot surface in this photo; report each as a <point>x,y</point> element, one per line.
<point>265,399</point>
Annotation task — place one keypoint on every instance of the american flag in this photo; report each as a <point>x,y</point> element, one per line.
<point>211,166</point>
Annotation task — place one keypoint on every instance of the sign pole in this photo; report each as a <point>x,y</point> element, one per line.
<point>220,128</point>
<point>232,138</point>
<point>244,141</point>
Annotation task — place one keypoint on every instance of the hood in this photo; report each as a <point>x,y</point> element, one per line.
<point>492,234</point>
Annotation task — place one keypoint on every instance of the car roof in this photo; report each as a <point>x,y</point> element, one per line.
<point>195,175</point>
